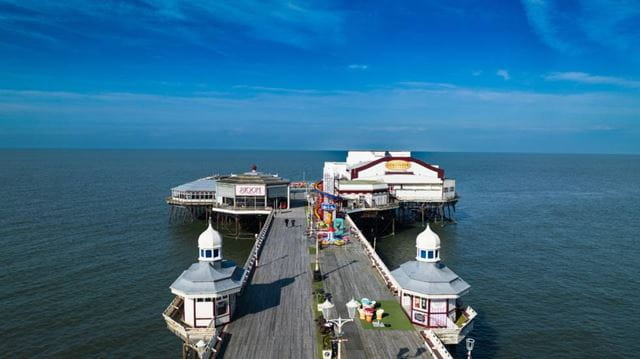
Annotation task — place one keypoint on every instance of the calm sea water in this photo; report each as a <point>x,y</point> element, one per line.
<point>548,243</point>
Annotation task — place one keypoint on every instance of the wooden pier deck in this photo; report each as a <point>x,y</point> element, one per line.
<point>274,318</point>
<point>349,273</point>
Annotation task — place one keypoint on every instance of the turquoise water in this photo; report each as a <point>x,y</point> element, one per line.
<point>547,242</point>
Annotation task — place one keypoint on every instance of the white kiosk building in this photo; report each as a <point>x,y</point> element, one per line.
<point>430,292</point>
<point>205,293</point>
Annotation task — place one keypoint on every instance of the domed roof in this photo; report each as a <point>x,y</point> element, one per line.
<point>428,239</point>
<point>210,238</point>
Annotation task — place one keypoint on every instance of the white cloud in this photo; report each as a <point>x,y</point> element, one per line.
<point>504,74</point>
<point>571,27</point>
<point>30,118</point>
<point>585,78</point>
<point>360,67</point>
<point>476,73</point>
<point>201,22</point>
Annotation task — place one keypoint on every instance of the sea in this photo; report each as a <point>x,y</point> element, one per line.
<point>548,242</point>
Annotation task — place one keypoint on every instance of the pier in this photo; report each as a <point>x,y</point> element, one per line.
<point>273,310</point>
<point>352,271</point>
<point>275,315</point>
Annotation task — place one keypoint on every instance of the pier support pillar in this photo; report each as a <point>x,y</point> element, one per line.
<point>393,226</point>
<point>237,227</point>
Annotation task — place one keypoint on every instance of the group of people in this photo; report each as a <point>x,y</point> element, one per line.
<point>286,222</point>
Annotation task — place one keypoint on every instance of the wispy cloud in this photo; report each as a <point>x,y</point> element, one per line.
<point>542,18</point>
<point>572,27</point>
<point>360,67</point>
<point>585,78</point>
<point>425,85</point>
<point>504,74</point>
<point>199,21</point>
<point>476,73</point>
<point>273,116</point>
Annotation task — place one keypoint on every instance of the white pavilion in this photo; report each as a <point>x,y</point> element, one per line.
<point>430,292</point>
<point>205,293</point>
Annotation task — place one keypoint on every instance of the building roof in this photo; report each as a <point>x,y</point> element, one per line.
<point>210,238</point>
<point>203,278</point>
<point>361,181</point>
<point>356,168</point>
<point>253,178</point>
<point>428,239</point>
<point>200,185</point>
<point>429,278</point>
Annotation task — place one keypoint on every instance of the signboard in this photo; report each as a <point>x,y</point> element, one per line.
<point>398,165</point>
<point>249,190</point>
<point>328,207</point>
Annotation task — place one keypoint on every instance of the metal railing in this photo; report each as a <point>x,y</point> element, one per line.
<point>214,204</point>
<point>250,263</point>
<point>434,345</point>
<point>376,261</point>
<point>179,328</point>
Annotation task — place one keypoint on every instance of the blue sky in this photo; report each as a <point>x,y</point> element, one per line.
<point>518,76</point>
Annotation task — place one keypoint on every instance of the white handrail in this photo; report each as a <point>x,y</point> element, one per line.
<point>250,263</point>
<point>438,347</point>
<point>375,259</point>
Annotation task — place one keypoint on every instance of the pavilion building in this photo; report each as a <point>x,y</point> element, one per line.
<point>430,292</point>
<point>205,293</point>
<point>386,179</point>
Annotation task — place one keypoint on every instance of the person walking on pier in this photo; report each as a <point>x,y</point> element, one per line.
<point>293,223</point>
<point>286,222</point>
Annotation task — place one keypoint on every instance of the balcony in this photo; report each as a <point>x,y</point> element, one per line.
<point>456,332</point>
<point>217,207</point>
<point>173,317</point>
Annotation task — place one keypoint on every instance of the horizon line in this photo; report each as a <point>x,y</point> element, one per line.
<point>302,150</point>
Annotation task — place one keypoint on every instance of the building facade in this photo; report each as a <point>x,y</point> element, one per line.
<point>430,292</point>
<point>407,179</point>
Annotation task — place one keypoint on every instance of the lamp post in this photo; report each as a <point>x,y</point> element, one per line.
<point>327,308</point>
<point>316,272</point>
<point>201,347</point>
<point>470,342</point>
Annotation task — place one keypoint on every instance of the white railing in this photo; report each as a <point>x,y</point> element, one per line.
<point>180,329</point>
<point>250,263</point>
<point>434,345</point>
<point>454,333</point>
<point>376,261</point>
<point>214,204</point>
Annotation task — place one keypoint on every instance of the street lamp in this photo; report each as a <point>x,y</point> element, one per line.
<point>470,342</point>
<point>201,347</point>
<point>327,307</point>
<point>316,272</point>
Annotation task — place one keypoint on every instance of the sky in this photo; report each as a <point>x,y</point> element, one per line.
<point>478,76</point>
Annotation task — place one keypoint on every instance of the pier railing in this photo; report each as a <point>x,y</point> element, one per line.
<point>251,261</point>
<point>376,261</point>
<point>213,204</point>
<point>454,333</point>
<point>434,345</point>
<point>174,323</point>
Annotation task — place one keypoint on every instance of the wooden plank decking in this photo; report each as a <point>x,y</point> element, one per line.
<point>274,318</point>
<point>349,273</point>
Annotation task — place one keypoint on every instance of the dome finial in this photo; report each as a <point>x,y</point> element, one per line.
<point>428,246</point>
<point>210,244</point>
